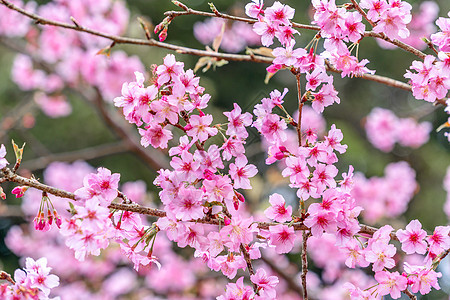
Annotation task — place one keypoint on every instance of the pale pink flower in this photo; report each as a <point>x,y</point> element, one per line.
<point>188,205</point>
<point>237,290</point>
<point>155,135</point>
<point>254,8</point>
<point>3,161</point>
<point>390,283</point>
<point>277,211</point>
<point>199,127</point>
<point>266,284</point>
<point>240,172</point>
<point>442,39</point>
<point>413,238</point>
<point>40,276</point>
<point>239,231</point>
<point>422,278</point>
<point>237,122</point>
<point>380,254</point>
<point>355,254</point>
<point>169,70</point>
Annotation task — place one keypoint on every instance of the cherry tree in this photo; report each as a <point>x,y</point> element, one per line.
<point>201,238</point>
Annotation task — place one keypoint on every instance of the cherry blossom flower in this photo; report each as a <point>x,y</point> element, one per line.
<point>169,70</point>
<point>413,238</point>
<point>3,161</point>
<point>390,283</point>
<point>422,278</point>
<point>237,290</point>
<point>240,172</point>
<point>155,135</point>
<point>439,240</point>
<point>277,211</point>
<point>266,284</point>
<point>198,127</point>
<point>380,254</point>
<point>282,237</point>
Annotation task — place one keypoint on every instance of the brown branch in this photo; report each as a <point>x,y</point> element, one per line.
<point>190,11</point>
<point>8,175</point>
<point>6,276</point>
<point>300,106</point>
<point>410,295</point>
<point>306,235</point>
<point>236,57</point>
<point>218,55</point>
<point>84,154</point>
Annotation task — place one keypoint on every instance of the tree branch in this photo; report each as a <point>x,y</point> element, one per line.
<point>306,235</point>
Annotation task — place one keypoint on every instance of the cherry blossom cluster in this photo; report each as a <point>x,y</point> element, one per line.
<point>112,270</point>
<point>235,37</point>
<point>431,79</point>
<point>421,25</point>
<point>71,54</point>
<point>386,196</point>
<point>33,282</point>
<point>384,129</point>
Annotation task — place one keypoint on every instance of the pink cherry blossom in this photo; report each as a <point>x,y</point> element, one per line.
<point>282,237</point>
<point>3,161</point>
<point>266,284</point>
<point>277,211</point>
<point>390,283</point>
<point>413,238</point>
<point>240,172</point>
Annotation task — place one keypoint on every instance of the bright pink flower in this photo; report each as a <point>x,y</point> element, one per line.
<point>326,96</point>
<point>413,238</point>
<point>320,220</point>
<point>19,191</point>
<point>375,7</point>
<point>390,283</point>
<point>282,237</point>
<point>279,13</point>
<point>439,240</point>
<point>164,110</point>
<point>103,183</point>
<point>266,284</point>
<point>240,172</point>
<point>273,128</point>
<point>277,211</point>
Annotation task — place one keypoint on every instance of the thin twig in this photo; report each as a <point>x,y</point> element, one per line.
<point>362,12</point>
<point>306,235</point>
<point>300,106</point>
<point>410,295</point>
<point>8,175</point>
<point>6,276</point>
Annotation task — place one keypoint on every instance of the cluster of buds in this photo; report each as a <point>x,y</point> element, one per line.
<point>43,221</point>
